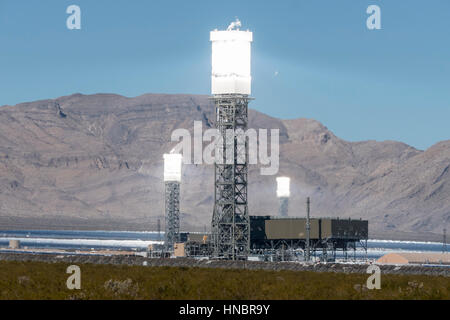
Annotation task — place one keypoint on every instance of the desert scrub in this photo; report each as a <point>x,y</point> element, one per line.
<point>122,288</point>
<point>40,280</point>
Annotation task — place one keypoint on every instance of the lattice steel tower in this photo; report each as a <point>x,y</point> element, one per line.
<point>172,179</point>
<point>231,87</point>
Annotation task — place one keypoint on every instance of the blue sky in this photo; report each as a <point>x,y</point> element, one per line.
<point>389,84</point>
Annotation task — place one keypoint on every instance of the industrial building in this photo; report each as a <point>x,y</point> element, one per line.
<point>196,245</point>
<point>14,244</point>
<point>287,238</point>
<point>326,235</point>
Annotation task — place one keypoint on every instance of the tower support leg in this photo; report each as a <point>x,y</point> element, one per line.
<point>231,222</point>
<point>172,214</point>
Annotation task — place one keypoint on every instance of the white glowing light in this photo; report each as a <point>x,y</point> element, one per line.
<point>172,167</point>
<point>231,62</point>
<point>283,189</point>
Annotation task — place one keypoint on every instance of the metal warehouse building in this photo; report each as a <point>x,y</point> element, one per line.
<point>326,234</point>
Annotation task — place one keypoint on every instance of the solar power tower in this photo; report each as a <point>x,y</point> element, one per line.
<point>231,89</point>
<point>172,180</point>
<point>283,194</point>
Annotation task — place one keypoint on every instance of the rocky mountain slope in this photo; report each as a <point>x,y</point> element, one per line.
<point>96,162</point>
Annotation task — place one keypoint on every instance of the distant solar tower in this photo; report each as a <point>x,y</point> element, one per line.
<point>172,179</point>
<point>283,194</point>
<point>231,88</point>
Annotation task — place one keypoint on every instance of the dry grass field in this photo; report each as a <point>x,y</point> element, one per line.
<point>38,280</point>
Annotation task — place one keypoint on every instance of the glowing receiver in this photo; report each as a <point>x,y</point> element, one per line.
<point>172,167</point>
<point>231,62</point>
<point>283,189</point>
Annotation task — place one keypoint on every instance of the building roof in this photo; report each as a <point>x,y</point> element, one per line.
<point>415,258</point>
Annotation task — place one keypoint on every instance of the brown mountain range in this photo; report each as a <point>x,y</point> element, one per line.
<point>95,162</point>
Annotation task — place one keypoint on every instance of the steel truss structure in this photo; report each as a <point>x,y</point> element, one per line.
<point>172,214</point>
<point>283,207</point>
<point>326,249</point>
<point>198,249</point>
<point>231,222</point>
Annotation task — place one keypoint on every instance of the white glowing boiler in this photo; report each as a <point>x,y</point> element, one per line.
<point>231,61</point>
<point>172,167</point>
<point>283,187</point>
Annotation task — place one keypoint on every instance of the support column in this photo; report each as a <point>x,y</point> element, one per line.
<point>283,207</point>
<point>172,214</point>
<point>231,222</point>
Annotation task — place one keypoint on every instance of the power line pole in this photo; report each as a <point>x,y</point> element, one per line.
<point>159,229</point>
<point>444,242</point>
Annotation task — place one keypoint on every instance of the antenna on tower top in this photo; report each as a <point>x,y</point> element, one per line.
<point>235,25</point>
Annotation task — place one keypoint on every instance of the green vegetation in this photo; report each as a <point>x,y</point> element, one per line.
<point>37,280</point>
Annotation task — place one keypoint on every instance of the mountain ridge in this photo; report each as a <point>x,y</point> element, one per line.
<point>99,158</point>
